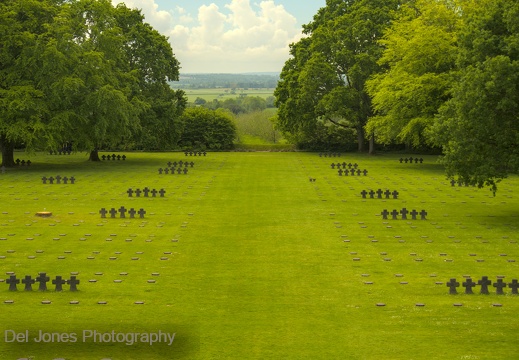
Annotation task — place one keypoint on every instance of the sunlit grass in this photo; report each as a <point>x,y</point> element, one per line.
<point>260,261</point>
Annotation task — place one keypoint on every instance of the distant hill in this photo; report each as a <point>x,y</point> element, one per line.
<point>238,81</point>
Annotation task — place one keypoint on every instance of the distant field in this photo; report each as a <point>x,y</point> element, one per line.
<point>224,93</point>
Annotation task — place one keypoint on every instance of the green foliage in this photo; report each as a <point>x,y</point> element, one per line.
<point>419,57</point>
<point>86,72</point>
<point>324,80</point>
<point>479,127</point>
<point>207,129</point>
<point>257,124</point>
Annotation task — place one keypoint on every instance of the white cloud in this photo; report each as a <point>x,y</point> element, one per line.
<point>238,37</point>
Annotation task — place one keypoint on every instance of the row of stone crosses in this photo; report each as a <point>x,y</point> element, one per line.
<point>330,154</point>
<point>113,157</point>
<point>122,213</point>
<point>352,172</point>
<point>194,153</point>
<point>394,214</point>
<point>59,179</point>
<point>484,283</point>
<point>146,192</point>
<point>410,160</point>
<point>23,162</point>
<point>349,165</point>
<point>379,194</point>
<point>42,280</point>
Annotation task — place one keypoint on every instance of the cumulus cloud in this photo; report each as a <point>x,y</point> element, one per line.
<point>237,37</point>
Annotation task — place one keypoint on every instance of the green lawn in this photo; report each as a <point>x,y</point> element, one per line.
<point>254,261</point>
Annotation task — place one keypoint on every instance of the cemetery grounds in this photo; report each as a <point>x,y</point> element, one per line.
<point>245,258</point>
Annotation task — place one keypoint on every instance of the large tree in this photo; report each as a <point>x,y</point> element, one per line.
<point>479,127</point>
<point>86,72</point>
<point>419,60</point>
<point>324,80</point>
<point>23,108</point>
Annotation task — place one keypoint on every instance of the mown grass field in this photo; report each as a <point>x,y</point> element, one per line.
<point>251,260</point>
<point>223,94</point>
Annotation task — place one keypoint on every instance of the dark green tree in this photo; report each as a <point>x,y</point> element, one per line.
<point>23,107</point>
<point>324,80</point>
<point>207,129</point>
<point>479,127</point>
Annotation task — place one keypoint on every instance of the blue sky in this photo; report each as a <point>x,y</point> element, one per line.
<point>229,36</point>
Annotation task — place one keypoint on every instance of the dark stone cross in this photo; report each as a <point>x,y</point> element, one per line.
<point>42,279</point>
<point>355,165</point>
<point>12,281</point>
<point>145,191</point>
<point>423,214</point>
<point>103,212</point>
<point>160,171</point>
<point>65,180</point>
<point>371,194</point>
<point>379,193</point>
<point>413,214</point>
<point>350,165</point>
<point>452,285</point>
<point>59,281</point>
<point>352,172</point>
<point>514,285</point>
<point>394,214</point>
<point>118,157</point>
<point>401,160</point>
<point>363,192</point>
<point>169,163</point>
<point>166,171</point>
<point>138,192</point>
<point>162,192</point>
<point>453,182</point>
<point>123,157</point>
<point>185,171</point>
<point>395,194</point>
<point>73,282</point>
<point>387,193</point>
<point>58,179</point>
<point>404,213</point>
<point>153,193</point>
<point>28,281</point>
<point>406,160</point>
<point>44,179</point>
<point>141,213</point>
<point>333,166</point>
<point>484,282</point>
<point>384,214</point>
<point>468,285</point>
<point>365,172</point>
<point>113,157</point>
<point>179,171</point>
<point>51,180</point>
<point>130,192</point>
<point>122,211</point>
<point>340,172</point>
<point>132,213</point>
<point>358,172</point>
<point>499,285</point>
<point>72,180</point>
<point>103,157</point>
<point>112,213</point>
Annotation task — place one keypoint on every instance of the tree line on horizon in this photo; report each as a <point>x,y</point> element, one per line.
<point>422,73</point>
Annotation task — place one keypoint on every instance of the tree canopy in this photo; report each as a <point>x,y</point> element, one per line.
<point>324,80</point>
<point>86,72</point>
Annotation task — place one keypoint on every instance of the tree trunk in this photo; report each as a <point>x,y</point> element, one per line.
<point>360,138</point>
<point>94,155</point>
<point>372,144</point>
<point>7,152</point>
